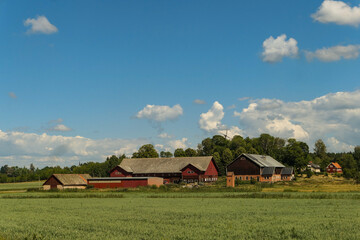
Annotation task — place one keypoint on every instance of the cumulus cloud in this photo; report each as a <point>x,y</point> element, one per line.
<point>60,128</point>
<point>332,116</point>
<point>199,101</point>
<point>40,24</point>
<point>164,135</point>
<point>12,95</point>
<point>160,113</point>
<point>18,148</point>
<point>335,53</point>
<point>275,49</point>
<point>180,143</point>
<point>211,120</point>
<point>56,126</point>
<point>337,12</point>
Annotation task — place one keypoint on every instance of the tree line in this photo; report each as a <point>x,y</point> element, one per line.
<point>290,152</point>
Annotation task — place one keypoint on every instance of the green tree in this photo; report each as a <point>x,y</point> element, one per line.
<point>164,154</point>
<point>226,158</point>
<point>146,151</point>
<point>207,147</point>
<point>296,154</point>
<point>179,152</point>
<point>217,160</point>
<point>189,152</point>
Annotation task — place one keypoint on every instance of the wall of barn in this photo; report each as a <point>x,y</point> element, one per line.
<point>243,166</point>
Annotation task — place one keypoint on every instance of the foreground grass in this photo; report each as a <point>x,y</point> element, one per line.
<point>179,216</point>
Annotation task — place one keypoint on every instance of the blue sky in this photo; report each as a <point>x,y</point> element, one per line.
<point>79,75</point>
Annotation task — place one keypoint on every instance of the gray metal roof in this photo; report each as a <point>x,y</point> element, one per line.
<point>268,171</point>
<point>163,165</point>
<point>313,165</point>
<point>263,160</point>
<point>287,171</point>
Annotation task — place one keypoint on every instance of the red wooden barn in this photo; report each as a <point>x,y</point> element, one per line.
<point>334,167</point>
<point>124,182</point>
<point>187,169</point>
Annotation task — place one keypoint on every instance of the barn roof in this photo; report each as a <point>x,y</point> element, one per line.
<point>263,160</point>
<point>336,164</point>
<point>72,179</point>
<point>268,171</point>
<point>287,171</point>
<point>163,165</point>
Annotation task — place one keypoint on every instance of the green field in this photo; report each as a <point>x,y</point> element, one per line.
<point>20,186</point>
<point>161,215</point>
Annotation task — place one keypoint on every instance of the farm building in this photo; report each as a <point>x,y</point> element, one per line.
<point>66,181</point>
<point>124,182</point>
<point>258,167</point>
<point>314,167</point>
<point>187,169</point>
<point>334,167</point>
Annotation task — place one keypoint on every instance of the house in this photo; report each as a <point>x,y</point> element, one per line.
<point>314,167</point>
<point>334,167</point>
<point>260,168</point>
<point>124,182</point>
<point>66,181</point>
<point>172,170</point>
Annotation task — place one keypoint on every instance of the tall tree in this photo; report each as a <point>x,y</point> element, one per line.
<point>189,152</point>
<point>226,158</point>
<point>164,154</point>
<point>146,151</point>
<point>179,152</point>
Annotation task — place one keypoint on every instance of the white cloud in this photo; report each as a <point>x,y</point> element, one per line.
<point>243,98</point>
<point>61,128</point>
<point>335,53</point>
<point>12,95</point>
<point>160,113</point>
<point>164,135</point>
<point>40,24</point>
<point>211,120</point>
<point>18,148</point>
<point>275,49</point>
<point>199,101</point>
<point>332,116</point>
<point>337,12</point>
<point>181,143</point>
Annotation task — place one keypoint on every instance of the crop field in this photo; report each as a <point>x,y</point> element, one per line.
<point>20,186</point>
<point>162,215</point>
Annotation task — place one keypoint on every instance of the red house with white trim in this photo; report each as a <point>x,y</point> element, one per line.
<point>334,167</point>
<point>187,169</point>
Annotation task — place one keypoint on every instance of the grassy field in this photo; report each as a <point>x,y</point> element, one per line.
<point>20,186</point>
<point>159,215</point>
<point>309,208</point>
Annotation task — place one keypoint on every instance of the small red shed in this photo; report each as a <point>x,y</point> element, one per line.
<point>334,167</point>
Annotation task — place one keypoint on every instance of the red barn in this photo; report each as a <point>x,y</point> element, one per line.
<point>334,167</point>
<point>188,169</point>
<point>124,182</point>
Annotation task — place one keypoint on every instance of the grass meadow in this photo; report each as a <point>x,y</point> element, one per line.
<point>309,208</point>
<point>163,215</point>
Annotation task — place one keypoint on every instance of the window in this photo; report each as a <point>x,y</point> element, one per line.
<point>190,171</point>
<point>247,178</point>
<point>240,178</point>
